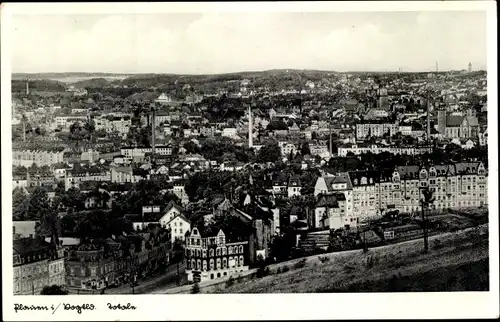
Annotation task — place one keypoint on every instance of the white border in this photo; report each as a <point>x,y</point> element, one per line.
<point>262,306</point>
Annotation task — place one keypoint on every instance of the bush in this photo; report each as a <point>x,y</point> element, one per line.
<point>261,272</point>
<point>230,282</point>
<point>278,271</point>
<point>324,259</point>
<point>437,244</point>
<point>300,264</point>
<point>285,269</point>
<point>195,289</point>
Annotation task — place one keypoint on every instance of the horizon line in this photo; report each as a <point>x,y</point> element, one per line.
<point>251,71</point>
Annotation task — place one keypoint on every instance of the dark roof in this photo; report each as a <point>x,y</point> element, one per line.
<point>171,205</point>
<point>408,171</point>
<point>25,246</point>
<point>454,120</point>
<point>327,201</point>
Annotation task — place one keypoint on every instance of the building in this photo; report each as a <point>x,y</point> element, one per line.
<point>212,255</point>
<point>294,187</point>
<point>287,148</point>
<point>164,99</point>
<point>367,130</point>
<point>65,121</point>
<point>453,125</point>
<point>370,194</point>
<point>91,267</point>
<point>73,178</point>
<point>122,174</point>
<point>114,123</point>
<point>23,229</point>
<point>36,264</point>
<point>174,220</point>
<point>375,149</point>
<point>27,158</point>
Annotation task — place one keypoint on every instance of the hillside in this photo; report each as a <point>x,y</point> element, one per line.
<point>24,76</point>
<point>42,85</point>
<point>456,261</point>
<point>93,82</point>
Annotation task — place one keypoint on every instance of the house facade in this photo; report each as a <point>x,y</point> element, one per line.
<point>212,256</point>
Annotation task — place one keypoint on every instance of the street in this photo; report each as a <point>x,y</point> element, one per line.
<point>165,280</point>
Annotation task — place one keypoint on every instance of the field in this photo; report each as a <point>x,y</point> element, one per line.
<point>455,262</point>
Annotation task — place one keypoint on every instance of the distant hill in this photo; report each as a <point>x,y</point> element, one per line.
<point>93,82</point>
<point>19,76</point>
<point>42,85</point>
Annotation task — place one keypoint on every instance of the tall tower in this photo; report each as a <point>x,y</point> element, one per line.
<point>250,127</point>
<point>441,120</point>
<point>27,87</point>
<point>437,68</point>
<point>470,67</point>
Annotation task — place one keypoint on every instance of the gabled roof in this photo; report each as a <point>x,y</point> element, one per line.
<point>472,120</point>
<point>180,216</point>
<point>171,205</point>
<point>327,201</point>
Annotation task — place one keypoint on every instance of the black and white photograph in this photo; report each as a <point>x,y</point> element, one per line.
<point>248,152</point>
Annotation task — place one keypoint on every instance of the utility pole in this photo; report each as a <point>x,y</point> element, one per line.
<point>424,221</point>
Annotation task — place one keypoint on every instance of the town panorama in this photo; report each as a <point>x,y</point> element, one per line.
<point>251,182</point>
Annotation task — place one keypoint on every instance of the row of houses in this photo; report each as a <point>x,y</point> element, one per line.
<point>346,199</point>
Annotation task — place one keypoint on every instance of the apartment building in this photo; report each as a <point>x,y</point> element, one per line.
<point>36,264</point>
<point>375,149</point>
<point>367,130</point>
<point>212,255</point>
<point>369,194</point>
<point>27,158</point>
<point>72,179</point>
<point>112,123</point>
<point>65,121</point>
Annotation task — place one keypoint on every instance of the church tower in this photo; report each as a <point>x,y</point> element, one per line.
<point>470,67</point>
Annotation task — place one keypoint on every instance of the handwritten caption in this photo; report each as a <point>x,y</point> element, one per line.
<point>72,307</point>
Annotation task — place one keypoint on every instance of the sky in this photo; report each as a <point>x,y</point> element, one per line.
<point>209,43</point>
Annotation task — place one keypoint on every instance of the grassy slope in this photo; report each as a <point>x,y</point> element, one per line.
<point>457,262</point>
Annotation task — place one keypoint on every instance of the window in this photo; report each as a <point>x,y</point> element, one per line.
<point>218,252</point>
<point>230,250</point>
<point>224,262</point>
<point>241,261</point>
<point>224,251</point>
<point>241,248</point>
<point>212,252</point>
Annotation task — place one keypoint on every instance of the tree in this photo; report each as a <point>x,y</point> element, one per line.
<point>19,196</point>
<point>53,290</point>
<point>426,202</point>
<point>50,226</point>
<point>34,207</point>
<point>304,149</point>
<point>270,152</point>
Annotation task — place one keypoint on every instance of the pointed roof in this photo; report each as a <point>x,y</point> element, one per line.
<point>171,205</point>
